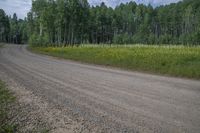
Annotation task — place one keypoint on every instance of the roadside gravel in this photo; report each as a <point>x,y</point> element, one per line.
<point>30,113</point>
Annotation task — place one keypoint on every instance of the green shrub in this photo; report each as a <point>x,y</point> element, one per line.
<point>37,40</point>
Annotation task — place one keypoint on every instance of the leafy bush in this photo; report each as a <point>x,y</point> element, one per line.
<point>37,40</point>
<point>123,39</point>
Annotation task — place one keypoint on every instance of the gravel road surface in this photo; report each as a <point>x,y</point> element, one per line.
<point>106,99</point>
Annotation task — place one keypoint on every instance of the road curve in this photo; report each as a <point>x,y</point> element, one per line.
<point>115,100</point>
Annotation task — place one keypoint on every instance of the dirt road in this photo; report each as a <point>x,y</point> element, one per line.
<point>108,100</point>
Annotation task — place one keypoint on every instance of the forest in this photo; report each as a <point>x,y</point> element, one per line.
<point>73,22</point>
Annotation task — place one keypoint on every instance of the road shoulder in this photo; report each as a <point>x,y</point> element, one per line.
<point>33,114</point>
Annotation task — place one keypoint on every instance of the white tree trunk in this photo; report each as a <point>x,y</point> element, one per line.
<point>41,29</point>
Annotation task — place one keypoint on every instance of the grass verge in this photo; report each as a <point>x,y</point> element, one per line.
<point>6,99</point>
<point>168,60</point>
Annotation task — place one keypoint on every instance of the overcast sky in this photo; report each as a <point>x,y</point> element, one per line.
<point>21,7</point>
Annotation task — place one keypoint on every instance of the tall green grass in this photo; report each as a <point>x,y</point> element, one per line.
<point>6,98</point>
<point>168,60</point>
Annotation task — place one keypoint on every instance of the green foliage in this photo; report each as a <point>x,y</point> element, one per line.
<point>123,39</point>
<point>6,99</point>
<point>37,40</point>
<point>4,26</point>
<point>71,22</point>
<point>170,60</point>
<point>12,29</point>
<point>33,40</point>
<point>74,22</point>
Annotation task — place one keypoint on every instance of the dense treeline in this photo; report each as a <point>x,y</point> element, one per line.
<point>12,29</point>
<point>69,22</point>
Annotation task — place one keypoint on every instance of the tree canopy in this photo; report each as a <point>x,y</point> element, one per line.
<point>70,22</point>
